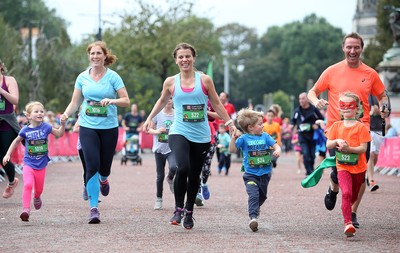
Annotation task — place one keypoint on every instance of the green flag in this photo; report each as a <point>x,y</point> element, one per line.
<point>210,69</point>
<point>313,178</point>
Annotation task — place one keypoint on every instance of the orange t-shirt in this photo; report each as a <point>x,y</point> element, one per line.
<point>339,78</point>
<point>274,130</point>
<point>354,135</point>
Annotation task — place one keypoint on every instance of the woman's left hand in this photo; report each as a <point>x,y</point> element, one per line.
<point>107,101</point>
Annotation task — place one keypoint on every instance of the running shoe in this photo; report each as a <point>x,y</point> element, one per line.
<point>373,186</point>
<point>188,220</point>
<point>199,200</point>
<point>9,191</point>
<point>253,224</point>
<point>94,216</point>
<point>356,224</point>
<point>37,203</point>
<point>158,204</point>
<point>349,230</point>
<point>104,188</point>
<point>176,219</point>
<point>205,191</point>
<point>330,199</point>
<point>25,215</point>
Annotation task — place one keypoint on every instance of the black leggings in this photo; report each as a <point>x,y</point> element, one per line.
<point>189,158</point>
<point>98,146</point>
<point>334,169</point>
<point>83,165</point>
<point>6,138</point>
<point>161,160</point>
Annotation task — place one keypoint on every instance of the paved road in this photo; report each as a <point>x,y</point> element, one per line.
<point>292,220</point>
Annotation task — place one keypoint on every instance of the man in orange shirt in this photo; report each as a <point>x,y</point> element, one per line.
<point>353,75</point>
<point>274,130</point>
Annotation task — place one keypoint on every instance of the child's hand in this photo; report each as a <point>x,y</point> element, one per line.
<point>6,159</point>
<point>342,145</point>
<point>276,153</point>
<point>64,118</point>
<point>237,133</point>
<point>162,130</point>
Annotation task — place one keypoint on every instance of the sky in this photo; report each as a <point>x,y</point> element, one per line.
<point>83,15</point>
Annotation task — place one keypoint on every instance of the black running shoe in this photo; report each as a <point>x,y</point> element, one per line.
<point>104,188</point>
<point>330,199</point>
<point>354,220</point>
<point>176,219</point>
<point>188,220</point>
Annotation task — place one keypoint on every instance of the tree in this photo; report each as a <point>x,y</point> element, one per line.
<point>146,39</point>
<point>38,73</point>
<point>373,53</point>
<point>288,56</point>
<point>237,41</point>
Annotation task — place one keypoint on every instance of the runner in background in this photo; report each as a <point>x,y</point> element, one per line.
<point>159,127</point>
<point>273,128</point>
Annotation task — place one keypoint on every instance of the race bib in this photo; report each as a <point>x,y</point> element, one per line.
<point>193,113</point>
<point>347,158</point>
<point>37,147</point>
<point>2,105</point>
<point>305,127</point>
<point>259,158</point>
<point>133,124</point>
<point>95,109</point>
<point>163,138</point>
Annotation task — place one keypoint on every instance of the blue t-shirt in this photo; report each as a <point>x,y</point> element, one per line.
<point>92,115</point>
<point>257,153</point>
<point>191,112</point>
<point>36,145</point>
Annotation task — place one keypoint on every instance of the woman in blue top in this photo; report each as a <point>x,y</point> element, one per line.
<point>257,156</point>
<point>99,90</point>
<point>189,136</point>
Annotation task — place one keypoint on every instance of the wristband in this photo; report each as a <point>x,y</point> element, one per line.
<point>228,122</point>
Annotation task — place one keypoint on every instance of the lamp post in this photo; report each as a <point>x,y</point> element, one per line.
<point>98,35</point>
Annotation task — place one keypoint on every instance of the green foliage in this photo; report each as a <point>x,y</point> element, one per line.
<point>280,61</point>
<point>373,53</point>
<point>144,45</point>
<point>288,56</point>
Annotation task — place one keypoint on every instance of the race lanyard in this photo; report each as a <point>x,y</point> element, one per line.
<point>37,147</point>
<point>259,158</point>
<point>347,158</point>
<point>95,109</point>
<point>193,113</point>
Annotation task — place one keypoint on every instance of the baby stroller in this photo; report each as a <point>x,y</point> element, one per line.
<point>131,150</point>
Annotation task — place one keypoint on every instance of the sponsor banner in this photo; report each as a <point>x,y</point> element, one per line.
<point>389,154</point>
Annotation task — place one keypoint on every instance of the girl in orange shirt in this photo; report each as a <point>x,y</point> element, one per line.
<point>350,138</point>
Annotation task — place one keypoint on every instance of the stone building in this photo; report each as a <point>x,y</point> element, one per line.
<point>364,20</point>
